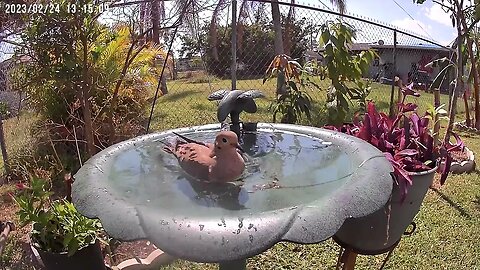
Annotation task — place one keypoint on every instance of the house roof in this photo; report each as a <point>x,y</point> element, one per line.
<point>367,46</point>
<point>428,47</point>
<point>13,60</point>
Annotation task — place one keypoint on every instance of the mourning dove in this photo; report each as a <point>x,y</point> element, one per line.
<point>219,162</point>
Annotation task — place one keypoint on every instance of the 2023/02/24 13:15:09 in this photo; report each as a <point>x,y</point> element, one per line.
<point>11,8</point>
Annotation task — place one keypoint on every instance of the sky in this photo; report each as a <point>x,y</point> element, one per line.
<point>429,19</point>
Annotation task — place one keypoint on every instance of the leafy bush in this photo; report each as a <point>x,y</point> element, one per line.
<point>57,226</point>
<point>294,102</point>
<point>90,82</point>
<point>344,69</point>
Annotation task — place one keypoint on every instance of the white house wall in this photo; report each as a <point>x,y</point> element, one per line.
<point>404,61</point>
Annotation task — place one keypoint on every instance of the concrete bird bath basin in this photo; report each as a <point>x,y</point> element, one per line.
<point>300,184</point>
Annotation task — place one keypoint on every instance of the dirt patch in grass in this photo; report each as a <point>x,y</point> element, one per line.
<point>130,250</point>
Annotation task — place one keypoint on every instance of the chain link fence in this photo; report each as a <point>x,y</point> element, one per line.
<point>202,53</point>
<point>198,40</point>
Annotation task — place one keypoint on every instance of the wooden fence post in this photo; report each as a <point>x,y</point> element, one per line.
<point>3,147</point>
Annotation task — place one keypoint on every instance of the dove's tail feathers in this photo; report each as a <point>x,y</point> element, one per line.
<point>188,140</point>
<point>170,146</point>
<point>168,149</point>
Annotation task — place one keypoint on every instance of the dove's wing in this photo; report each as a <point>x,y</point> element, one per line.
<point>217,95</point>
<point>195,160</point>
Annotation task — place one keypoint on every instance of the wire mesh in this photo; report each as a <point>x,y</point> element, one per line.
<point>201,58</point>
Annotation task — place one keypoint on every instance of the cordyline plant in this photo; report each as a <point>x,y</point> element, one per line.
<point>406,140</point>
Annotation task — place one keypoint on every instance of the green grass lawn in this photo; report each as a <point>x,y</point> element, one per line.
<point>17,134</point>
<point>186,103</point>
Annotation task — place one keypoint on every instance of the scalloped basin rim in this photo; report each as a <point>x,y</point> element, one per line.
<point>231,237</point>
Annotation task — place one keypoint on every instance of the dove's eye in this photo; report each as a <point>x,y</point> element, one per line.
<point>224,140</point>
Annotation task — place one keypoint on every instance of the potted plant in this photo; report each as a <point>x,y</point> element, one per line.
<point>63,238</point>
<point>463,161</point>
<point>409,144</point>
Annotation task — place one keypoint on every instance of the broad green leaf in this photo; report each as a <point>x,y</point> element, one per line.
<point>440,76</point>
<point>324,38</point>
<point>442,112</point>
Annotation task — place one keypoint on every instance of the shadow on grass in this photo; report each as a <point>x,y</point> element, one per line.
<point>204,107</point>
<point>477,202</point>
<point>452,203</point>
<point>180,95</point>
<point>158,116</point>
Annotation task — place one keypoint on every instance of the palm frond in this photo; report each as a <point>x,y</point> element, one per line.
<point>340,4</point>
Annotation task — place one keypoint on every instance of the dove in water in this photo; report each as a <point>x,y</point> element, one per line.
<point>219,162</point>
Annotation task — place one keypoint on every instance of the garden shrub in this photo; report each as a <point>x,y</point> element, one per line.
<point>72,78</point>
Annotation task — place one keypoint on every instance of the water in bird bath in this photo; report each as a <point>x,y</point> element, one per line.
<point>297,187</point>
<point>284,169</point>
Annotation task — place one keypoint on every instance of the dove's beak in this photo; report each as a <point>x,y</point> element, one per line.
<point>240,148</point>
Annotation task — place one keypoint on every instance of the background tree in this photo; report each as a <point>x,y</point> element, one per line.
<point>459,10</point>
<point>90,82</point>
<point>257,40</point>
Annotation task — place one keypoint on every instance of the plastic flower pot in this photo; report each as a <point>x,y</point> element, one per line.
<point>464,166</point>
<point>89,257</point>
<point>381,230</point>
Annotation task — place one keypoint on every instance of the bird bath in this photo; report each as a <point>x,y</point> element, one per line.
<point>300,184</point>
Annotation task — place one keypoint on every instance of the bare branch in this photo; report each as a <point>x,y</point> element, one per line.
<point>444,6</point>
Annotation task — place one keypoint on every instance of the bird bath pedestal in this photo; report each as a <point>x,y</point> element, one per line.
<point>300,184</point>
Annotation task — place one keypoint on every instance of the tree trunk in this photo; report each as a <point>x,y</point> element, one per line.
<point>459,79</point>
<point>287,47</point>
<point>87,115</point>
<point>476,81</point>
<point>143,10</point>
<point>163,86</point>
<point>174,69</point>
<point>277,27</point>
<point>468,121</point>
<point>86,104</point>
<point>155,8</point>
<point>3,146</point>
<point>278,42</point>
<point>155,14</point>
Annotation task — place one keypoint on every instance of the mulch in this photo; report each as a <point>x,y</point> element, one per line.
<point>459,156</point>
